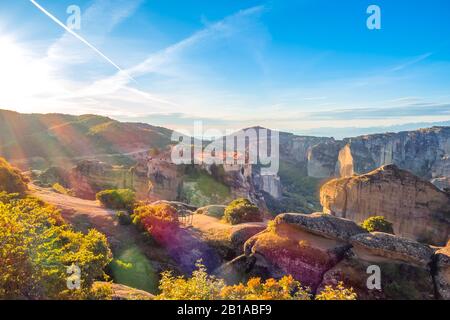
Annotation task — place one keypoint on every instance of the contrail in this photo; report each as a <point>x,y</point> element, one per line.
<point>48,14</point>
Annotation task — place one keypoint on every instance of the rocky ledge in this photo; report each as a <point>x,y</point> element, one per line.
<point>320,250</point>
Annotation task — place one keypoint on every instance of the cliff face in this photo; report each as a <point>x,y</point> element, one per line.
<point>417,209</point>
<point>425,152</point>
<point>320,250</point>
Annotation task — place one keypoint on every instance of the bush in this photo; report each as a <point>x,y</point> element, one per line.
<point>157,219</point>
<point>241,211</point>
<point>118,199</point>
<point>202,286</point>
<point>337,293</point>
<point>11,180</point>
<point>124,218</point>
<point>378,224</point>
<point>60,189</point>
<point>37,247</point>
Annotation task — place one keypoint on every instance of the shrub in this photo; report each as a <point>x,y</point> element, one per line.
<point>378,224</point>
<point>37,247</point>
<point>337,293</point>
<point>118,199</point>
<point>156,219</point>
<point>60,189</point>
<point>11,180</point>
<point>124,218</point>
<point>202,286</point>
<point>240,211</point>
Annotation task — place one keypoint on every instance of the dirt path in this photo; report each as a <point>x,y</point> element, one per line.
<point>126,242</point>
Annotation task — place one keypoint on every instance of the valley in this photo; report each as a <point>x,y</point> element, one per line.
<point>234,223</point>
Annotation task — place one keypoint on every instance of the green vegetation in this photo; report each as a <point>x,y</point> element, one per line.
<point>124,218</point>
<point>201,189</point>
<point>117,199</point>
<point>300,192</point>
<point>156,219</point>
<point>60,189</point>
<point>132,268</point>
<point>38,247</point>
<point>378,224</point>
<point>241,211</point>
<point>202,286</point>
<point>11,180</point>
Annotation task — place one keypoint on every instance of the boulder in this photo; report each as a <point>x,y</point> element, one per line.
<point>241,233</point>
<point>321,224</point>
<point>416,208</point>
<point>392,247</point>
<point>304,246</point>
<point>215,211</point>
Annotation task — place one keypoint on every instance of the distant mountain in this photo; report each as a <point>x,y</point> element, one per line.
<point>34,139</point>
<point>341,133</point>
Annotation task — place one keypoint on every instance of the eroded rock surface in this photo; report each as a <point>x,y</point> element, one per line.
<point>417,209</point>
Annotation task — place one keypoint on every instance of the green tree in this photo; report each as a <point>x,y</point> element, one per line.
<point>240,211</point>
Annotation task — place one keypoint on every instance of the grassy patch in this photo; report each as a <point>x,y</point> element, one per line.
<point>132,268</point>
<point>200,189</point>
<point>300,192</point>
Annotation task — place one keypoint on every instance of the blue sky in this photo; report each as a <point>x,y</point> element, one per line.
<point>292,65</point>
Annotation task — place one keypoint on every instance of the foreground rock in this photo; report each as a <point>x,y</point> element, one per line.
<point>122,292</point>
<point>305,246</point>
<point>320,250</point>
<point>405,267</point>
<point>417,209</point>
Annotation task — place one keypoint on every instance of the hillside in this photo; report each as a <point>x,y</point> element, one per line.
<point>11,180</point>
<point>39,140</point>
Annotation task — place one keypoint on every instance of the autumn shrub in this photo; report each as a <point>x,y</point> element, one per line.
<point>157,219</point>
<point>378,224</point>
<point>241,211</point>
<point>117,199</point>
<point>37,247</point>
<point>339,292</point>
<point>202,286</point>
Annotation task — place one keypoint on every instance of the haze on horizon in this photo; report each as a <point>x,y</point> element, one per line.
<point>298,66</point>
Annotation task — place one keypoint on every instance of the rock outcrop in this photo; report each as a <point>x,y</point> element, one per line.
<point>320,250</point>
<point>417,209</point>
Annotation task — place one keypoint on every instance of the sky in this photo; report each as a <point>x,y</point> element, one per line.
<point>293,65</point>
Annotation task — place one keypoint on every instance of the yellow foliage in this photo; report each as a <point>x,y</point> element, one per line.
<point>37,247</point>
<point>337,293</point>
<point>202,286</point>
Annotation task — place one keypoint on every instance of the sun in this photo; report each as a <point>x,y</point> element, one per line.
<point>23,75</point>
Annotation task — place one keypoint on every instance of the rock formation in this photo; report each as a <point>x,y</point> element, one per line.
<point>320,250</point>
<point>417,209</point>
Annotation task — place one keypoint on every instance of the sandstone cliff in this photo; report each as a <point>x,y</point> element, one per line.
<point>417,209</point>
